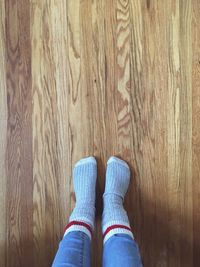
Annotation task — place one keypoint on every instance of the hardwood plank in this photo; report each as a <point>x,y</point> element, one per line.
<point>179,138</point>
<point>39,230</point>
<point>195,130</point>
<point>110,78</point>
<point>186,222</point>
<point>13,231</point>
<point>51,154</point>
<point>19,135</point>
<point>74,74</point>
<point>3,127</point>
<point>174,161</point>
<point>122,96</point>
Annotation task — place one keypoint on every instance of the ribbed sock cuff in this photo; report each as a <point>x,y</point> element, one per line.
<point>116,227</point>
<point>78,226</point>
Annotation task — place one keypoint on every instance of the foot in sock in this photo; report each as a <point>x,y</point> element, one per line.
<point>115,219</point>
<point>84,180</point>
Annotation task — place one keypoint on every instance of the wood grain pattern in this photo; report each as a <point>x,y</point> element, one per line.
<point>99,77</point>
<point>3,137</point>
<point>19,134</point>
<point>50,131</point>
<point>195,129</point>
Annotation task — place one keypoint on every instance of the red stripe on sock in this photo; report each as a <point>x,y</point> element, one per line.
<point>78,223</point>
<point>114,227</point>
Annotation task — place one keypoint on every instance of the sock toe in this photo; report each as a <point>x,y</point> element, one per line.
<point>118,160</point>
<point>85,160</point>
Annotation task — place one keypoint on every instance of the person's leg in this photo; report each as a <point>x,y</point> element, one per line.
<point>74,249</point>
<point>120,249</point>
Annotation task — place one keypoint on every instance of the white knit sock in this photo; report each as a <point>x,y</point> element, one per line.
<point>84,180</point>
<point>115,219</point>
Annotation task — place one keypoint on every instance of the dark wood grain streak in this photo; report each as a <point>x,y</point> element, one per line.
<point>3,136</point>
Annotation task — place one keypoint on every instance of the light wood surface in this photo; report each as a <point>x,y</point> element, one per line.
<point>100,77</point>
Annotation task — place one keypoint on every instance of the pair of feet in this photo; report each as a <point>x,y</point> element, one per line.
<point>114,218</point>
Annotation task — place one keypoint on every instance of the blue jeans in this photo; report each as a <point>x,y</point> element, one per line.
<point>75,248</point>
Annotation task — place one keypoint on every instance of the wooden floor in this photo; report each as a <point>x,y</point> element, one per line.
<point>100,77</point>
